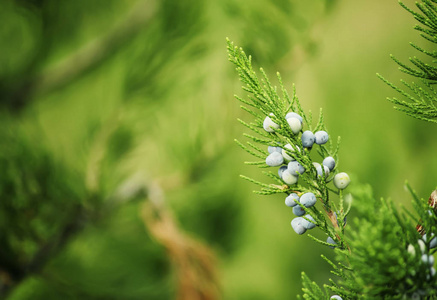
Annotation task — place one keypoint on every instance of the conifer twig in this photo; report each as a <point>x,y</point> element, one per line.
<point>194,262</point>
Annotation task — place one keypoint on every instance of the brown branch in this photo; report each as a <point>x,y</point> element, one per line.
<point>432,202</point>
<point>194,263</point>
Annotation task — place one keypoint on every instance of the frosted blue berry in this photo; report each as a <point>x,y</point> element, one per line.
<point>298,211</point>
<point>428,259</point>
<point>275,159</point>
<point>336,297</point>
<point>329,240</point>
<point>424,258</point>
<point>341,180</point>
<point>272,149</point>
<point>290,149</point>
<point>296,223</point>
<point>295,125</point>
<point>411,250</point>
<point>422,246</point>
<point>308,138</point>
<point>431,260</point>
<point>309,224</point>
<point>292,200</point>
<point>319,170</point>
<point>329,162</point>
<point>289,178</point>
<point>308,199</point>
<point>432,243</point>
<point>281,170</point>
<point>322,137</point>
<point>269,125</point>
<point>295,167</point>
<point>294,115</point>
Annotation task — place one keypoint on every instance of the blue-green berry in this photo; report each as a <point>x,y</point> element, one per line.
<point>269,125</point>
<point>329,240</point>
<point>281,170</point>
<point>320,172</point>
<point>295,125</point>
<point>411,250</point>
<point>289,178</point>
<point>294,115</point>
<point>336,297</point>
<point>422,246</point>
<point>292,200</point>
<point>329,162</point>
<point>275,159</point>
<point>272,149</point>
<point>431,260</point>
<point>308,139</point>
<point>428,259</point>
<point>432,243</point>
<point>295,167</point>
<point>298,211</point>
<point>308,199</point>
<point>290,149</point>
<point>296,223</point>
<point>425,258</point>
<point>322,137</point>
<point>309,224</point>
<point>341,180</point>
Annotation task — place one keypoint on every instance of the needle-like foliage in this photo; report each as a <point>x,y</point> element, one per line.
<point>419,99</point>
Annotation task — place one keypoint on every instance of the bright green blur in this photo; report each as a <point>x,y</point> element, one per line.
<point>145,87</point>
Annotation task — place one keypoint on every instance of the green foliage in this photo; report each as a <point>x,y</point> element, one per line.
<point>311,290</point>
<point>40,197</point>
<point>381,264</point>
<point>420,100</point>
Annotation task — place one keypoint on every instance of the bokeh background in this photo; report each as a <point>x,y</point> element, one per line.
<point>119,173</point>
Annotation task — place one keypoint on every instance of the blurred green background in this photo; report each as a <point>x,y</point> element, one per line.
<point>97,96</point>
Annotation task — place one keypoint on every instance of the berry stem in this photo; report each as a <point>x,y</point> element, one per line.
<point>432,202</point>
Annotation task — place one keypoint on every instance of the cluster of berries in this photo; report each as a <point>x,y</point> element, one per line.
<point>426,258</point>
<point>279,156</point>
<point>432,241</point>
<point>301,224</point>
<point>288,173</point>
<point>290,168</point>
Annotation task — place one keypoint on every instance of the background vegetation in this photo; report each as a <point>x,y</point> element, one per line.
<point>107,105</point>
